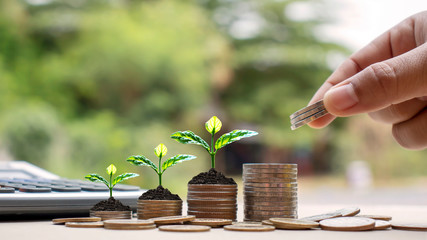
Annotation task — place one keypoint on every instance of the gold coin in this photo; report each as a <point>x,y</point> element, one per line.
<point>410,226</point>
<point>270,200</point>
<point>217,209</point>
<point>382,225</point>
<point>127,222</point>
<point>212,222</point>
<point>249,180</point>
<point>184,228</point>
<point>261,189</point>
<point>77,219</point>
<point>269,165</point>
<point>249,228</point>
<point>214,215</point>
<point>269,194</point>
<point>347,224</point>
<point>158,211</point>
<point>290,223</point>
<point>173,219</point>
<point>376,217</point>
<point>84,224</point>
<point>263,218</point>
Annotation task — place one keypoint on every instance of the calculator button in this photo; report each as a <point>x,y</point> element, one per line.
<point>34,189</point>
<point>7,190</point>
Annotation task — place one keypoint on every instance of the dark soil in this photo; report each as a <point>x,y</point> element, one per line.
<point>110,205</point>
<point>159,193</point>
<point>212,177</point>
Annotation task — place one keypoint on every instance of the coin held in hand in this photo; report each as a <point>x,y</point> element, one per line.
<point>307,114</point>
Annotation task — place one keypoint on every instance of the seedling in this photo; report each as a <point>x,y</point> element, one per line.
<point>160,152</point>
<point>213,126</point>
<point>111,170</point>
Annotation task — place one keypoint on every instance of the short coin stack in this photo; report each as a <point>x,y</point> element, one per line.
<point>105,215</point>
<point>270,191</point>
<point>308,114</point>
<point>212,200</point>
<point>158,208</point>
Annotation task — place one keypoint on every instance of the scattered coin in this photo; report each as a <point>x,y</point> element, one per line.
<point>382,225</point>
<point>289,223</point>
<point>84,224</point>
<point>129,224</point>
<point>249,227</point>
<point>173,219</point>
<point>212,222</point>
<point>80,219</point>
<point>267,222</point>
<point>184,228</point>
<point>410,226</point>
<point>377,217</point>
<point>320,217</point>
<point>347,224</point>
<point>349,212</point>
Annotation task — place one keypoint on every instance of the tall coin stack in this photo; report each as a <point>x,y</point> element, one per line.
<point>212,200</point>
<point>270,190</point>
<point>158,208</point>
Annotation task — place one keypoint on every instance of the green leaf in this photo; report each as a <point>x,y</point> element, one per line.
<point>188,137</point>
<point>140,160</point>
<point>97,178</point>
<point>233,136</point>
<point>111,170</point>
<point>175,160</point>
<point>123,177</point>
<point>213,125</point>
<point>160,150</point>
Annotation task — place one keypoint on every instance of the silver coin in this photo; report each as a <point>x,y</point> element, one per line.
<point>320,217</point>
<point>307,114</point>
<point>269,175</point>
<point>268,180</point>
<point>271,185</point>
<point>309,119</point>
<point>266,189</point>
<point>269,165</point>
<point>269,194</point>
<point>269,208</point>
<point>306,109</point>
<point>268,198</point>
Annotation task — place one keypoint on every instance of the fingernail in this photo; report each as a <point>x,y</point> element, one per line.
<point>343,97</point>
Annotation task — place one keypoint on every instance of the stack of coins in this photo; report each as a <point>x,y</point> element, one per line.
<point>212,200</point>
<point>158,208</point>
<point>270,191</point>
<point>308,114</point>
<point>105,215</point>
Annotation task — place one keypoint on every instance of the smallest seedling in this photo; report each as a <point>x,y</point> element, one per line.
<point>111,170</point>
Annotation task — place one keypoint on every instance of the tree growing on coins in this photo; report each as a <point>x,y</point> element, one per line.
<point>111,170</point>
<point>213,125</point>
<point>160,151</point>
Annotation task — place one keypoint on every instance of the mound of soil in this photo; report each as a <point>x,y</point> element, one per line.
<point>110,205</point>
<point>212,177</point>
<point>159,193</point>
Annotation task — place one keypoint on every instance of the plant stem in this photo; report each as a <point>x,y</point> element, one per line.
<point>111,187</point>
<point>212,152</point>
<point>160,170</point>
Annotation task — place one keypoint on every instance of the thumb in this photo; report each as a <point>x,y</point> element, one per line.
<point>381,84</point>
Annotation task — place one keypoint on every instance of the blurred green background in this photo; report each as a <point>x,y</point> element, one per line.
<point>86,83</point>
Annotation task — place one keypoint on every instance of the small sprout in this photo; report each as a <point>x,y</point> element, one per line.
<point>213,125</point>
<point>160,151</point>
<point>111,170</point>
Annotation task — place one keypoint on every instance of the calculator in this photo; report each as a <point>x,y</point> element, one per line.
<point>29,191</point>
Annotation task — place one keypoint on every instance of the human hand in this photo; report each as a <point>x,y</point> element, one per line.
<point>386,79</point>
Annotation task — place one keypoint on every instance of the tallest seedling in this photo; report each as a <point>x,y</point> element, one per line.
<point>213,126</point>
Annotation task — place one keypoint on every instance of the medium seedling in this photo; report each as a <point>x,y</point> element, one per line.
<point>213,125</point>
<point>111,170</point>
<point>160,151</point>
